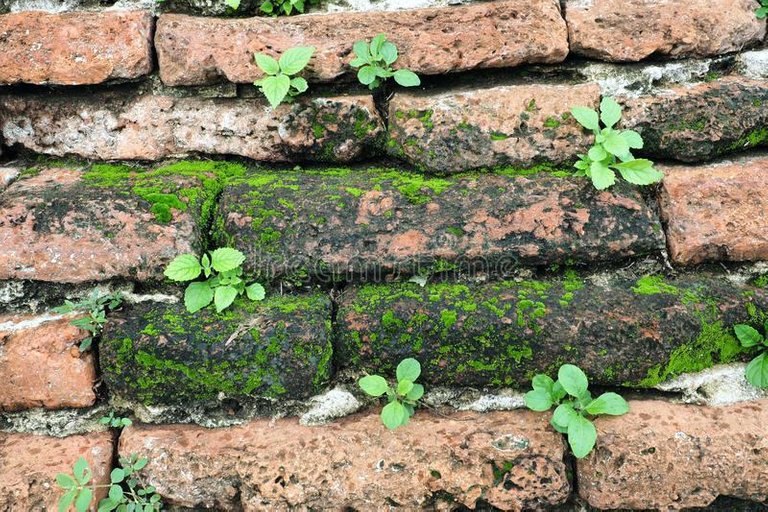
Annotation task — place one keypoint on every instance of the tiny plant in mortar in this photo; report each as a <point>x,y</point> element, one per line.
<point>223,284</point>
<point>283,7</point>
<point>612,149</point>
<point>96,305</point>
<point>127,490</point>
<point>279,83</point>
<point>762,11</point>
<point>403,398</point>
<point>571,417</point>
<point>757,370</point>
<point>115,421</point>
<point>375,61</point>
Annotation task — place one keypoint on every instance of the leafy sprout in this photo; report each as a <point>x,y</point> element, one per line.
<point>757,369</point>
<point>96,306</point>
<point>402,398</point>
<point>375,61</point>
<point>280,83</point>
<point>762,11</point>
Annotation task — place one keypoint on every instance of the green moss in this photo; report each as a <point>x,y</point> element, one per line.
<point>499,136</point>
<point>761,281</point>
<point>552,122</point>
<point>357,192</point>
<point>654,285</point>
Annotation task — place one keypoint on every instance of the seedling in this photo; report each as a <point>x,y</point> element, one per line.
<point>280,83</point>
<point>612,149</point>
<point>762,11</point>
<point>757,370</point>
<point>115,422</point>
<point>375,61</point>
<point>223,284</point>
<point>403,398</point>
<point>286,7</point>
<point>127,490</point>
<point>572,415</point>
<point>96,305</point>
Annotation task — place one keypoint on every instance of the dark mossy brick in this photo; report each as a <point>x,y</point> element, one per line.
<point>620,332</point>
<point>341,224</point>
<point>158,354</point>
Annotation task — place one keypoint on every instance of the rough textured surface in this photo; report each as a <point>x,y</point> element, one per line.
<point>30,463</point>
<point>74,48</point>
<point>7,176</point>
<point>724,384</point>
<point>630,30</point>
<point>194,51</point>
<point>41,365</point>
<point>65,226</point>
<point>513,460</point>
<point>344,224</point>
<point>516,125</point>
<point>503,333</point>
<point>716,212</point>
<point>667,457</point>
<point>109,126</point>
<point>161,355</point>
<point>694,123</point>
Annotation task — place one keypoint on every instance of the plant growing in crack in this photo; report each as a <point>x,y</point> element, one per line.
<point>280,84</point>
<point>757,369</point>
<point>375,61</point>
<point>762,11</point>
<point>96,305</point>
<point>572,415</point>
<point>402,398</point>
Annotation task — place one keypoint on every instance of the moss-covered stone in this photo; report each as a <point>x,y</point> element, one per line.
<point>620,332</point>
<point>162,355</point>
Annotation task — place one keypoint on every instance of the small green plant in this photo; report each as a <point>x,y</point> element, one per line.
<point>115,421</point>
<point>612,149</point>
<point>762,11</point>
<point>127,490</point>
<point>280,83</point>
<point>223,284</point>
<point>375,61</point>
<point>403,398</point>
<point>757,369</point>
<point>96,305</point>
<point>571,417</point>
<point>284,7</point>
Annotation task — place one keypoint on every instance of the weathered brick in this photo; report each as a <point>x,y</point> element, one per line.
<point>115,126</point>
<point>517,125</point>
<point>716,212</point>
<point>197,50</point>
<point>69,226</point>
<point>621,332</point>
<point>29,464</point>
<point>511,460</point>
<point>344,224</point>
<point>74,48</point>
<point>161,355</point>
<point>694,123</point>
<point>631,30</point>
<point>41,365</point>
<point>664,456</point>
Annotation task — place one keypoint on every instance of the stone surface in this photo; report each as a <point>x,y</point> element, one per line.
<point>114,126</point>
<point>505,332</point>
<point>716,212</point>
<point>194,51</point>
<point>156,354</point>
<point>75,48</point>
<point>356,463</point>
<point>67,226</point>
<point>724,384</point>
<point>515,125</point>
<point>7,176</point>
<point>41,365</point>
<point>631,30</point>
<point>30,463</point>
<point>663,456</point>
<point>339,224</point>
<point>695,123</point>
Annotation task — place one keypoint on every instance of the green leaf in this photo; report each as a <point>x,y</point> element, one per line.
<point>615,144</point>
<point>366,74</point>
<point>299,84</point>
<point>66,500</point>
<point>757,371</point>
<point>581,436</point>
<point>373,385</point>
<point>639,172</point>
<point>602,176</point>
<point>610,112</point>
<point>408,369</point>
<point>275,89</point>
<point>597,153</point>
<point>294,60</point>
<point>255,292</point>
<point>586,117</point>
<point>65,481</point>
<point>115,493</point>
<point>748,335</point>
<point>558,392</point>
<point>543,382</point>
<point>267,64</point>
<point>608,403</point>
<point>225,259</point>
<point>185,267</point>
<point>415,393</point>
<point>563,415</point>
<point>376,43</point>
<point>633,139</point>
<point>116,476</point>
<point>107,505</point>
<point>361,50</point>
<point>197,296</point>
<point>406,78</point>
<point>573,380</point>
<point>404,387</point>
<point>538,400</point>
<point>83,500</point>
<point>223,297</point>
<point>388,52</point>
<point>234,4</point>
<point>393,415</point>
<point>81,470</point>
